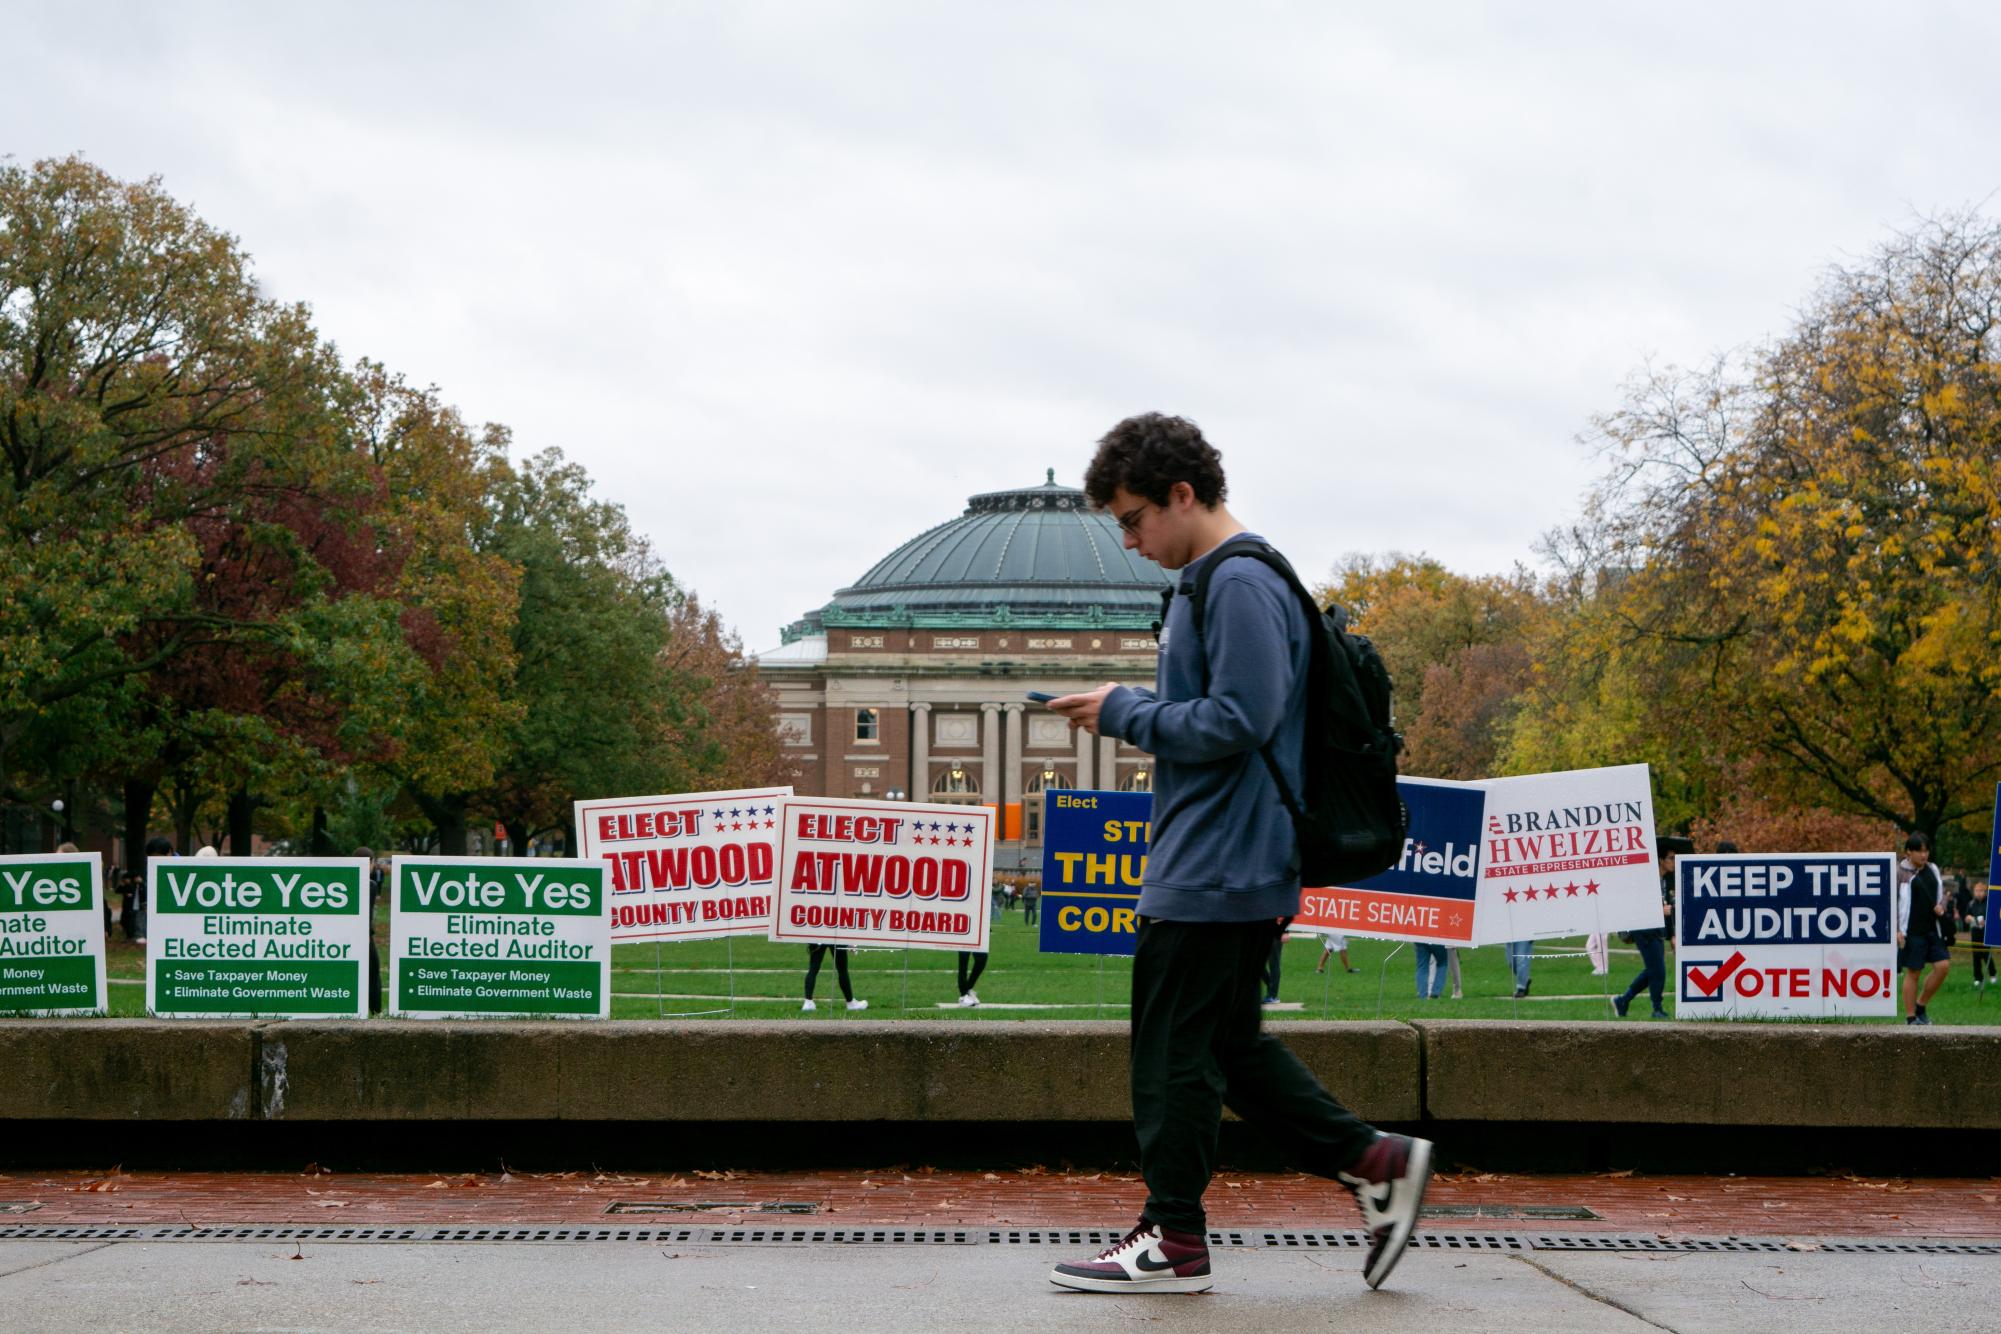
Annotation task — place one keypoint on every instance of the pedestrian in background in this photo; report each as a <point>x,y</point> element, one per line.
<point>1521,953</point>
<point>156,846</point>
<point>971,965</point>
<point>1274,961</point>
<point>1430,960</point>
<point>1920,905</point>
<point>814,955</point>
<point>374,887</point>
<point>1336,945</point>
<point>1975,915</point>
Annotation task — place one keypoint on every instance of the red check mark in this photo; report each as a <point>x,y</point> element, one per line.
<point>1713,983</point>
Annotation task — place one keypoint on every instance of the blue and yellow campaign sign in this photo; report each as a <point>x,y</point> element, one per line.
<point>1993,874</point>
<point>1093,858</point>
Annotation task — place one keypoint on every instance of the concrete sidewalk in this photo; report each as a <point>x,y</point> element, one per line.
<point>93,1286</point>
<point>915,1248</point>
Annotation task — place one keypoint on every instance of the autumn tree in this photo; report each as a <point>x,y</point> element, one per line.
<point>1457,649</point>
<point>723,719</point>
<point>588,635</point>
<point>1796,551</point>
<point>442,730</point>
<point>236,571</point>
<point>146,388</point>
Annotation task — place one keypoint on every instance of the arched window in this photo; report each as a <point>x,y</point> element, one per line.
<point>1045,780</point>
<point>956,784</point>
<point>1139,780</point>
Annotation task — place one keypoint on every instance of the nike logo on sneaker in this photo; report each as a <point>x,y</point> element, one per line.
<point>1380,1197</point>
<point>1141,1261</point>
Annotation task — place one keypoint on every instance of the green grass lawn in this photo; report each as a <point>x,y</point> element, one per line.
<point>749,978</point>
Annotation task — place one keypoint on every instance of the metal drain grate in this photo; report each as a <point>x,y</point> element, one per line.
<point>1359,1241</point>
<point>712,1207</point>
<point>1085,1238</point>
<point>1531,1213</point>
<point>1072,1238</point>
<point>1617,1241</point>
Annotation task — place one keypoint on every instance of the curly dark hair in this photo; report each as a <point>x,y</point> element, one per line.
<point>1148,454</point>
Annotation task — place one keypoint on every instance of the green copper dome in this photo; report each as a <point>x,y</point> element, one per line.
<point>1037,556</point>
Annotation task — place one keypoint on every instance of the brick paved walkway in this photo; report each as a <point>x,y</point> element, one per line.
<point>1682,1206</point>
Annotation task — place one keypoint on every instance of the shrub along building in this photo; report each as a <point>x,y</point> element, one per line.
<point>910,683</point>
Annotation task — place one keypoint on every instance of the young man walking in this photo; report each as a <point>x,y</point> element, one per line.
<point>1222,875</point>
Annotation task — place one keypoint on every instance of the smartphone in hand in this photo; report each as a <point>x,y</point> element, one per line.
<point>1040,696</point>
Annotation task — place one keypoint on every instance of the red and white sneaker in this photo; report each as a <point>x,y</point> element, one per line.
<point>1149,1259</point>
<point>1388,1181</point>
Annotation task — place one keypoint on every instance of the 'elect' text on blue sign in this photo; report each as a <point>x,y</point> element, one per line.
<point>1093,861</point>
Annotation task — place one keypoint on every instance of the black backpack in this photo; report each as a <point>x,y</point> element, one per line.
<point>1351,821</point>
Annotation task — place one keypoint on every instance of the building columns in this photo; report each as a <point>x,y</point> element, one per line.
<point>1011,757</point>
<point>1108,763</point>
<point>920,752</point>
<point>1086,744</point>
<point>989,751</point>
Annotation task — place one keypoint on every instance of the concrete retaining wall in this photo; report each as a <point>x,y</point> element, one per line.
<point>990,1072</point>
<point>1713,1074</point>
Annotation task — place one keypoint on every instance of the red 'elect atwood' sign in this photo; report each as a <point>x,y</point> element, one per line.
<point>687,867</point>
<point>884,873</point>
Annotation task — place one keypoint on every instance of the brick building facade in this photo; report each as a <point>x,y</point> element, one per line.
<point>910,682</point>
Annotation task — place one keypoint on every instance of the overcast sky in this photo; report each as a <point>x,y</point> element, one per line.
<point>792,280</point>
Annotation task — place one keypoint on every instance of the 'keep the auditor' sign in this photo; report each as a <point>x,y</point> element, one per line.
<point>1093,862</point>
<point>1785,934</point>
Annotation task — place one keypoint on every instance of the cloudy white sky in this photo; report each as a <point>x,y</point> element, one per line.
<point>792,280</point>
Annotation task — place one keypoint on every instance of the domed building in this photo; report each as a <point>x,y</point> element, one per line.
<point>910,682</point>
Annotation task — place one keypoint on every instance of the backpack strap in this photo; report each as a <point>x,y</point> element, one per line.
<point>1266,554</point>
<point>1198,598</point>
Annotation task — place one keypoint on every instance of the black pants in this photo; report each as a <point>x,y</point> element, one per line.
<point>1982,956</point>
<point>968,980</point>
<point>1197,1044</point>
<point>1273,964</point>
<point>815,953</point>
<point>1653,966</point>
<point>1028,912</point>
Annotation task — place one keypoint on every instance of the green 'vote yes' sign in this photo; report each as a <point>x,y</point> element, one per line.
<point>52,934</point>
<point>500,936</point>
<point>263,937</point>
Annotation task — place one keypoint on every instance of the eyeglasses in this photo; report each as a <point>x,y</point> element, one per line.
<point>1129,521</point>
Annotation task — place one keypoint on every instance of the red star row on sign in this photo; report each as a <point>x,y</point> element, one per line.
<point>1570,891</point>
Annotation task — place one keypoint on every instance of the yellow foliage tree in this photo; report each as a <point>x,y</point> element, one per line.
<point>1796,554</point>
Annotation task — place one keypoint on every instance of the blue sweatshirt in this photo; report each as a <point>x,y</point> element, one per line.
<point>1223,847</point>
